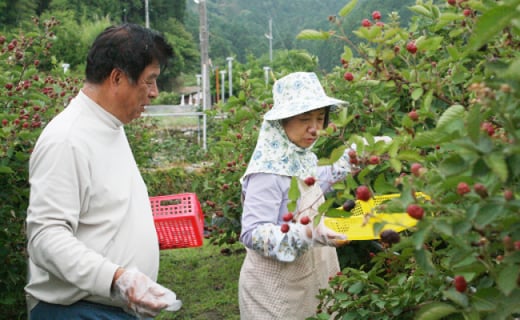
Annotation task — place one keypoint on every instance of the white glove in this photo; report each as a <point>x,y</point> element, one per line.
<point>143,296</point>
<point>322,235</point>
<point>386,139</point>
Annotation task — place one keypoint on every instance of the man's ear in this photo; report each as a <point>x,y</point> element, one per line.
<point>116,76</point>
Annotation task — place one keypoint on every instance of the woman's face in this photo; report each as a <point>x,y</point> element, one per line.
<point>303,129</point>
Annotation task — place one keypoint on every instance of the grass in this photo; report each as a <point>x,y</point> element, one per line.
<point>205,279</point>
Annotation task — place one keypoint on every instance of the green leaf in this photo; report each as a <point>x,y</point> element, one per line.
<point>507,279</point>
<point>488,214</point>
<point>435,311</point>
<point>4,169</point>
<point>347,8</point>
<point>489,24</point>
<point>409,155</point>
<point>446,18</point>
<point>347,53</point>
<point>473,121</point>
<point>453,165</point>
<point>422,10</point>
<point>453,113</point>
<point>497,164</point>
<point>294,194</point>
<point>424,260</point>
<point>430,44</point>
<point>309,34</point>
<point>417,93</point>
<point>356,288</point>
<point>457,297</point>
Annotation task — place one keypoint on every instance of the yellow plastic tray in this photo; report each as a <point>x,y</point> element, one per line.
<point>361,227</point>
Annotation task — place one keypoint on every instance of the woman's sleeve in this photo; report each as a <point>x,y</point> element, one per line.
<point>265,201</point>
<point>329,175</point>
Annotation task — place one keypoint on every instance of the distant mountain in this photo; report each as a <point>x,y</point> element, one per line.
<point>239,27</point>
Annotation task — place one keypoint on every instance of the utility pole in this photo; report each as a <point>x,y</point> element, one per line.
<point>204,56</point>
<point>222,76</point>
<point>147,17</point>
<point>270,37</point>
<point>230,74</point>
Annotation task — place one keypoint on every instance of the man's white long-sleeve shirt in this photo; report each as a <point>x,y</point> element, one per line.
<point>89,210</point>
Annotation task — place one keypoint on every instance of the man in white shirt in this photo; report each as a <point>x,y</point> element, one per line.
<point>92,244</point>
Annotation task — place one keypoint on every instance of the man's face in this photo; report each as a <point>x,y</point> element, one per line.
<point>135,96</point>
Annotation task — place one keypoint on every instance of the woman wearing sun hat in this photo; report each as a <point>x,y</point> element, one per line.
<point>284,269</point>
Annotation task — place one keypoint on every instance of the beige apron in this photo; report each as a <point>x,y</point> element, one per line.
<point>270,289</point>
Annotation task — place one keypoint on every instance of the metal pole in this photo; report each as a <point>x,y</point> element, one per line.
<point>266,75</point>
<point>205,83</point>
<point>222,84</point>
<point>270,37</point>
<point>204,56</point>
<point>197,102</point>
<point>230,74</point>
<point>147,18</point>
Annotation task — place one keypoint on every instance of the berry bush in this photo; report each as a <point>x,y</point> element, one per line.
<point>446,88</point>
<point>33,89</point>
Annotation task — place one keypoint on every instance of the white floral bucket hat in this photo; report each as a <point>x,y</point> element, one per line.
<point>297,93</point>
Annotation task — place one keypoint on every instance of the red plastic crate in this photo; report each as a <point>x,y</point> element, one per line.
<point>178,219</point>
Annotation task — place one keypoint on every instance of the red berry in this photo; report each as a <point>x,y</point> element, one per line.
<point>287,217</point>
<point>305,220</point>
<point>416,169</point>
<point>376,15</point>
<point>467,12</point>
<point>352,153</point>
<point>481,190</point>
<point>363,193</point>
<point>517,245</point>
<point>460,283</point>
<point>284,228</point>
<point>415,211</point>
<point>8,86</point>
<point>310,181</point>
<point>463,188</point>
<point>4,122</point>
<point>411,47</point>
<point>2,39</point>
<point>413,115</point>
<point>509,195</point>
<point>488,127</point>
<point>348,76</point>
<point>452,2</point>
<point>373,160</point>
<point>366,23</point>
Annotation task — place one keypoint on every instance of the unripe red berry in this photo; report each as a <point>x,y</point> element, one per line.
<point>413,115</point>
<point>508,195</point>
<point>373,160</point>
<point>309,181</point>
<point>463,188</point>
<point>376,15</point>
<point>415,211</point>
<point>460,283</point>
<point>411,47</point>
<point>415,168</point>
<point>366,23</point>
<point>480,189</point>
<point>287,217</point>
<point>363,193</point>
